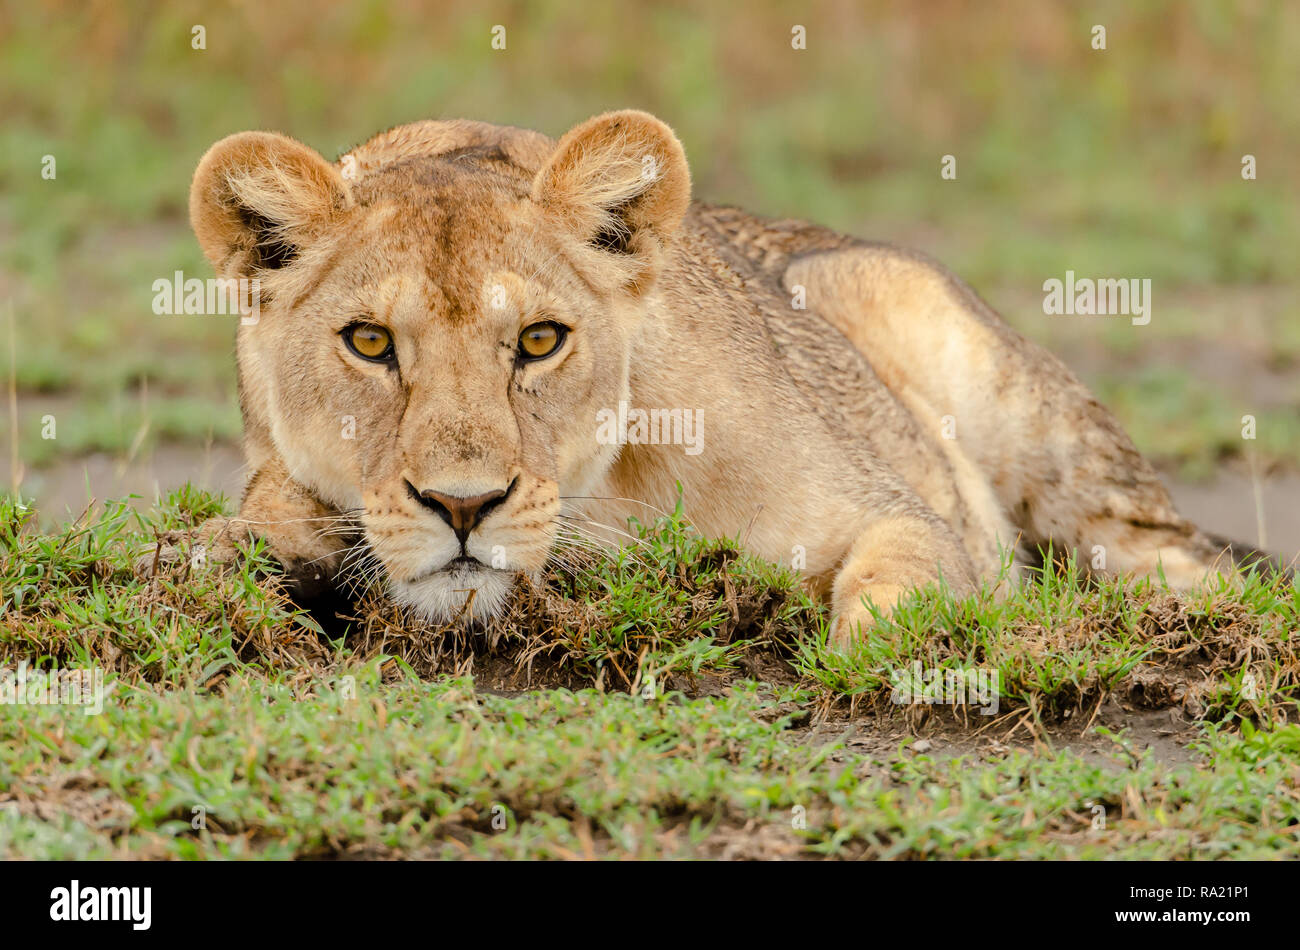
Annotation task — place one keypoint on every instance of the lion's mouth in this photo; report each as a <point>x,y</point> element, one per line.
<point>462,566</point>
<point>464,589</point>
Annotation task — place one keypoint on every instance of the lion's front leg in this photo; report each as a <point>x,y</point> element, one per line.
<point>896,554</point>
<point>308,538</point>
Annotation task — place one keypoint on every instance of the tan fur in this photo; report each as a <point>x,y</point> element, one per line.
<point>824,428</point>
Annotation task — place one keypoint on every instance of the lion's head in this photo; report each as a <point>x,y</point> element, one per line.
<point>438,331</point>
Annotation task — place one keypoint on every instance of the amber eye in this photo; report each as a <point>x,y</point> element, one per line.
<point>541,340</point>
<point>369,342</point>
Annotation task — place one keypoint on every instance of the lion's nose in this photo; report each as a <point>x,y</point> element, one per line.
<point>463,514</point>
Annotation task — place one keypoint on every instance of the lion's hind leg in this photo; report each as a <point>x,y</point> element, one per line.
<point>1043,451</point>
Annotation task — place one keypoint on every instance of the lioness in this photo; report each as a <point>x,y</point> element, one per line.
<point>449,311</point>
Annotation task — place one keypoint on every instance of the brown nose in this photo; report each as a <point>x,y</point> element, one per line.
<point>463,514</point>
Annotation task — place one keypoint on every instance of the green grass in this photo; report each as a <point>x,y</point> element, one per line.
<point>663,709</point>
<point>1176,419</point>
<point>422,770</point>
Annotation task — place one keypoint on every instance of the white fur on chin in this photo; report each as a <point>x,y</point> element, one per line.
<point>441,597</point>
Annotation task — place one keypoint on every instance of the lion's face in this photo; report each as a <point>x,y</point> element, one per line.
<point>441,375</point>
<point>437,337</point>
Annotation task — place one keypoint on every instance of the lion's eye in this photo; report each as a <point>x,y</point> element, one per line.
<point>541,340</point>
<point>369,342</point>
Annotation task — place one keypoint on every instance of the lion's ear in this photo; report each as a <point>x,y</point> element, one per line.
<point>620,184</point>
<point>257,197</point>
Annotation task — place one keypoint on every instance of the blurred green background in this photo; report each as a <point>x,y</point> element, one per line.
<point>1119,163</point>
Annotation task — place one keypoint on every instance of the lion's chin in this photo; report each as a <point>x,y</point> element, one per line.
<point>462,594</point>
